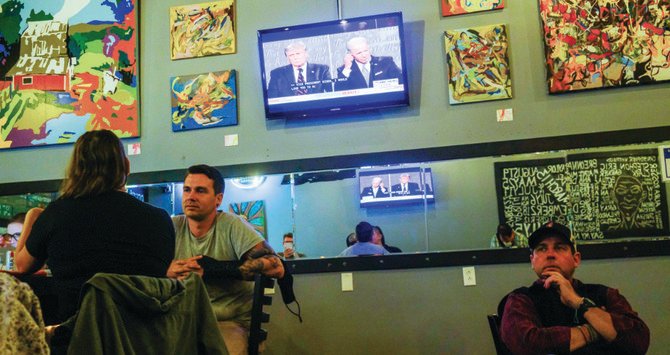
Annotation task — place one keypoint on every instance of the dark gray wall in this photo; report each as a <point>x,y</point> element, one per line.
<point>429,311</point>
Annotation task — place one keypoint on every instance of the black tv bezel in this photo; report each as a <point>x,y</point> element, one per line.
<point>395,170</point>
<point>335,106</point>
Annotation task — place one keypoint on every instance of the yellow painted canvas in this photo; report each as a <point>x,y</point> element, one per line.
<point>203,29</point>
<point>478,64</point>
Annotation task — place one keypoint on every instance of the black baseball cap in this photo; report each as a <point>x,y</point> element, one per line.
<point>551,229</point>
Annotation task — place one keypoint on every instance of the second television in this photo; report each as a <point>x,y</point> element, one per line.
<point>334,67</point>
<point>399,185</point>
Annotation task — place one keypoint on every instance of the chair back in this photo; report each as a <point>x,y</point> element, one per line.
<point>257,334</point>
<point>494,324</point>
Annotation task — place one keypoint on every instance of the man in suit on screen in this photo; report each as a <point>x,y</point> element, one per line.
<point>361,69</point>
<point>376,190</point>
<point>405,187</point>
<point>299,77</point>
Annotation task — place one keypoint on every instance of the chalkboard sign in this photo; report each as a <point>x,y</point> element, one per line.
<point>532,192</point>
<point>603,195</point>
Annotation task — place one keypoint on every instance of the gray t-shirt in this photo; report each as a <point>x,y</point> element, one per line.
<point>228,239</point>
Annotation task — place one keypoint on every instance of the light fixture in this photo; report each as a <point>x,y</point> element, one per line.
<point>249,182</point>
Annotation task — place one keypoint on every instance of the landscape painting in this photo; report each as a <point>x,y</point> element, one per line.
<point>67,67</point>
<point>592,44</point>
<point>204,29</point>
<point>478,64</point>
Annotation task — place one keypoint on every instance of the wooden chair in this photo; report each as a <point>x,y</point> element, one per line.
<point>257,334</point>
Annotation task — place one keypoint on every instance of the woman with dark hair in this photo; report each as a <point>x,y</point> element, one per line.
<point>94,225</point>
<point>378,238</point>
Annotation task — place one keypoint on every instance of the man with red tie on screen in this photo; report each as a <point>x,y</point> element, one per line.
<point>299,77</point>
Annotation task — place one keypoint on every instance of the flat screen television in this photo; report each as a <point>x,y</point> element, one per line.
<point>395,186</point>
<point>316,69</point>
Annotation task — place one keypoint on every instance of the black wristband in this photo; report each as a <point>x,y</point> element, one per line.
<point>583,307</point>
<point>213,268</point>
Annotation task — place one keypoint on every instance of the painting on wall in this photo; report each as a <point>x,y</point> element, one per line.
<point>459,7</point>
<point>253,212</point>
<point>204,100</point>
<point>67,67</point>
<point>199,30</point>
<point>592,44</point>
<point>478,64</point>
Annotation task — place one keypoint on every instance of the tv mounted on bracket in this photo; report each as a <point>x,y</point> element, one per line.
<point>399,185</point>
<point>334,67</point>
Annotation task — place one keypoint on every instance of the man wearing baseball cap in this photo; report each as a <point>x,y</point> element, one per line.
<point>559,314</point>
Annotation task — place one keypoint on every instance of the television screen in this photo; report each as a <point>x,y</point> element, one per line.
<point>333,67</point>
<point>395,186</point>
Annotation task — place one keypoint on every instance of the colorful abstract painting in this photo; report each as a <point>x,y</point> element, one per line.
<point>459,7</point>
<point>253,212</point>
<point>67,67</point>
<point>204,29</point>
<point>478,64</point>
<point>591,44</point>
<point>204,100</point>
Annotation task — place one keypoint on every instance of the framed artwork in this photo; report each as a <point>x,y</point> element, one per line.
<point>478,64</point>
<point>591,44</point>
<point>204,100</point>
<point>604,195</point>
<point>459,7</point>
<point>67,67</point>
<point>253,212</point>
<point>203,29</point>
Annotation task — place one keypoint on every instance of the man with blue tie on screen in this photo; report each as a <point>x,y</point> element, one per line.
<point>299,77</point>
<point>361,69</point>
<point>376,190</point>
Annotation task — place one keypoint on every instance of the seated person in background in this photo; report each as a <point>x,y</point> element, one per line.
<point>378,238</point>
<point>14,228</point>
<point>405,187</point>
<point>364,245</point>
<point>225,250</point>
<point>289,251</point>
<point>351,239</point>
<point>559,314</point>
<point>376,190</point>
<point>94,225</point>
<point>506,237</point>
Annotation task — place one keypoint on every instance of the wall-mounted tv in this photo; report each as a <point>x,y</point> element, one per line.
<point>334,67</point>
<point>395,186</point>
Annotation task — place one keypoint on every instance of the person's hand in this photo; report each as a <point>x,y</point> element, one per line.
<point>180,268</point>
<point>348,60</point>
<point>288,253</point>
<point>556,280</point>
<point>381,186</point>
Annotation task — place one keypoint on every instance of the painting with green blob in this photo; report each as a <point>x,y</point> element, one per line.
<point>253,212</point>
<point>479,67</point>
<point>204,100</point>
<point>67,67</point>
